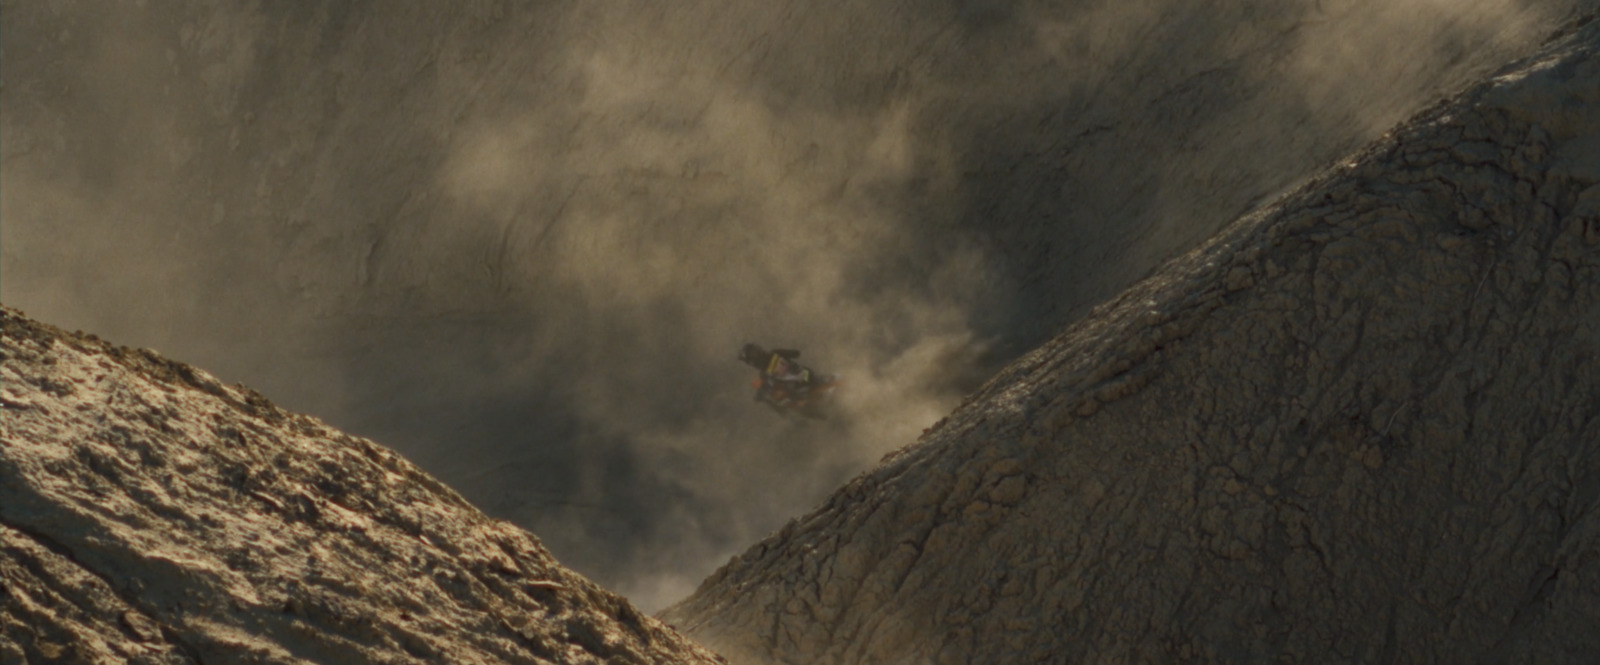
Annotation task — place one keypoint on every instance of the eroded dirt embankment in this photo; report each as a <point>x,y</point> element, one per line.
<point>150,514</point>
<point>1362,425</point>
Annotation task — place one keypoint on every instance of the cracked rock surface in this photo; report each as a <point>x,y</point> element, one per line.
<point>1360,425</point>
<point>150,514</point>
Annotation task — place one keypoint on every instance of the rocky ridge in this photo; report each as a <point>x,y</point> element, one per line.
<point>1359,425</point>
<point>150,514</point>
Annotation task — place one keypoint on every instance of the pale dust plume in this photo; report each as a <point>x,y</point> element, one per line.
<point>523,243</point>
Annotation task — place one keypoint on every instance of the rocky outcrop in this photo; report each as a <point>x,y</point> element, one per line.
<point>150,514</point>
<point>1361,425</point>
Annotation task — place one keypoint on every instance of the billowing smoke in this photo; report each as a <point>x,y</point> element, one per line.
<point>522,243</point>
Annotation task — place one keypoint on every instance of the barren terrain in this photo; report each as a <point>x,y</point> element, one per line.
<point>520,242</point>
<point>149,514</point>
<point>1361,425</point>
<point>1353,416</point>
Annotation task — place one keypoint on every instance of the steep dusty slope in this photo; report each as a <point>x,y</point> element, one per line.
<point>150,514</point>
<point>1360,426</point>
<point>537,230</point>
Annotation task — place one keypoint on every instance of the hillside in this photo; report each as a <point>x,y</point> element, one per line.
<point>149,514</point>
<point>1359,425</point>
<point>520,242</point>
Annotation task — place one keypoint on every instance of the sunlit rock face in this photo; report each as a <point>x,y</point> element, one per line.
<point>1359,425</point>
<point>520,242</point>
<point>150,514</point>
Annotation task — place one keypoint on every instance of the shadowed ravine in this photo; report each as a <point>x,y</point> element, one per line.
<point>1359,423</point>
<point>520,242</point>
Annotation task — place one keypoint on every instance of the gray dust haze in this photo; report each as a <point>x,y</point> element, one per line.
<point>522,242</point>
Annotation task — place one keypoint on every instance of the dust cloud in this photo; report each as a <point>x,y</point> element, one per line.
<point>522,243</point>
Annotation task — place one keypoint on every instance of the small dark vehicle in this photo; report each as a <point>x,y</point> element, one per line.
<point>787,386</point>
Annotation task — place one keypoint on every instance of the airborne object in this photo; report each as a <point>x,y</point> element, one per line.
<point>787,386</point>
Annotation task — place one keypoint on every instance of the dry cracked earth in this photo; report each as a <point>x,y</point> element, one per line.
<point>1360,424</point>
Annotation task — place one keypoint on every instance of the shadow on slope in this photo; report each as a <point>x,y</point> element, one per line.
<point>1358,425</point>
